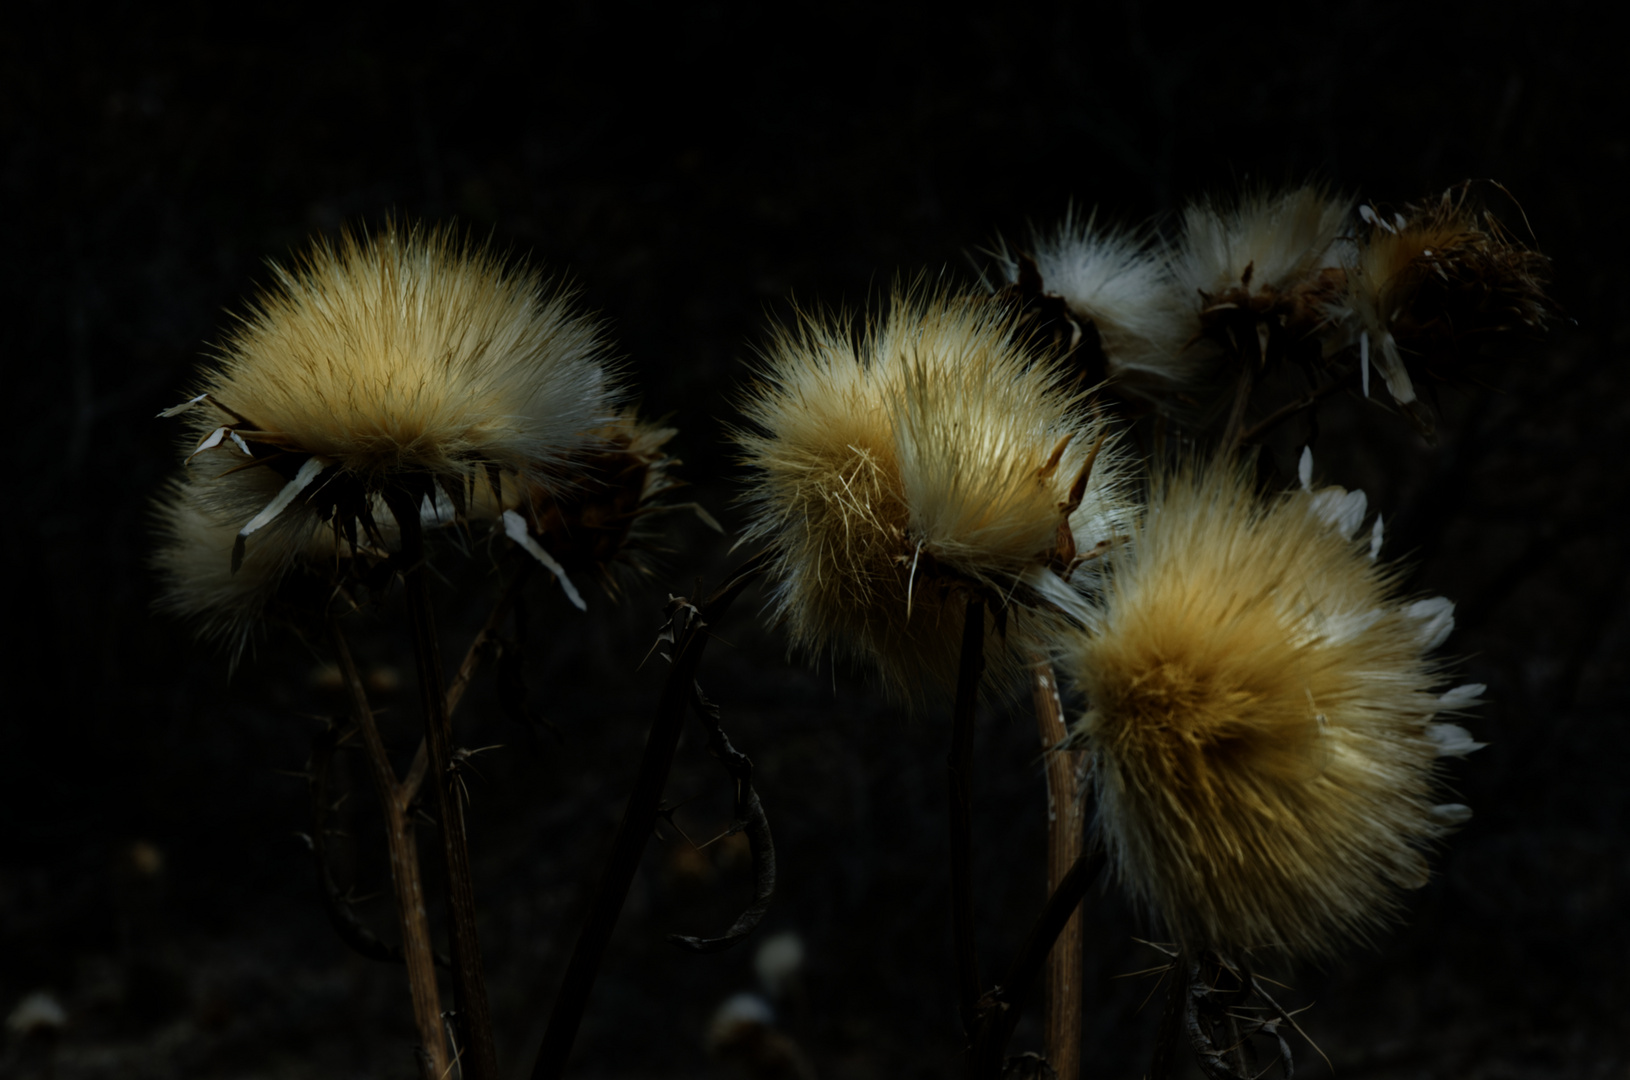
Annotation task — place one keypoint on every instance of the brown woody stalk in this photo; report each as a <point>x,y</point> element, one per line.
<point>417,953</point>
<point>479,1060</point>
<point>1066,839</point>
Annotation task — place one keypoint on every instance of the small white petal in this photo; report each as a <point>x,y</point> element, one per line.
<point>515,528</point>
<point>1452,813</point>
<point>1391,365</point>
<point>241,444</point>
<point>309,471</point>
<point>1437,617</point>
<point>211,441</point>
<point>174,410</point>
<point>1304,468</point>
<point>302,480</point>
<point>1342,509</point>
<point>1461,696</point>
<point>1452,740</point>
<point>1375,539</point>
<point>1369,215</point>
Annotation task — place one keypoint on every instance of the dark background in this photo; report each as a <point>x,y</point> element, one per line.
<point>695,170</point>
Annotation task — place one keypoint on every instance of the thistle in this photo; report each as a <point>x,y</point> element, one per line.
<point>382,386</point>
<point>1263,718</point>
<point>1442,284</point>
<point>198,520</point>
<point>1252,274</point>
<point>927,462</point>
<point>399,369</point>
<point>601,524</point>
<point>1117,296</point>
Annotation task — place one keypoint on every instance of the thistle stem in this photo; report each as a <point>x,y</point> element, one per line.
<point>689,640</point>
<point>479,1059</point>
<point>466,671</point>
<point>417,954</point>
<point>959,769</point>
<point>1234,431</point>
<point>1066,836</point>
<point>1005,1003</point>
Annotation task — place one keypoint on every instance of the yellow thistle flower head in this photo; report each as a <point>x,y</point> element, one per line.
<point>387,367</point>
<point>1262,717</point>
<point>926,462</point>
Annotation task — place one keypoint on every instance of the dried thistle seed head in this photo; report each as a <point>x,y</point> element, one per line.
<point>1252,276</point>
<point>394,364</point>
<point>929,461</point>
<point>1116,289</point>
<point>292,567</point>
<point>1261,717</point>
<point>604,523</point>
<point>1441,283</point>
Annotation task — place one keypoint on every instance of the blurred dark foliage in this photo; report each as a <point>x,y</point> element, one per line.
<point>698,171</point>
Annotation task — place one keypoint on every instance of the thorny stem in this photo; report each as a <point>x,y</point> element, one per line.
<point>750,819</point>
<point>478,1059</point>
<point>689,640</point>
<point>466,671</point>
<point>1002,1006</point>
<point>959,768</point>
<point>1066,836</point>
<point>417,954</point>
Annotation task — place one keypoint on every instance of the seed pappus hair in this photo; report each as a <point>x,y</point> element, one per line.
<point>409,358</point>
<point>1112,278</point>
<point>926,462</point>
<point>1261,717</point>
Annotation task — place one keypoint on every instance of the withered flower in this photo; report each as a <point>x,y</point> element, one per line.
<point>1262,717</point>
<point>406,369</point>
<point>1437,287</point>
<point>929,461</point>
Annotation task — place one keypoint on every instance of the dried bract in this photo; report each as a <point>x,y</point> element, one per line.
<point>603,523</point>
<point>1253,276</point>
